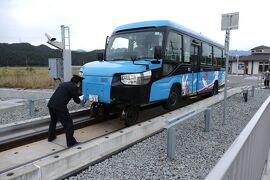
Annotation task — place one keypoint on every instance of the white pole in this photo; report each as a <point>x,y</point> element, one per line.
<point>67,68</point>
<point>227,40</point>
<point>237,60</point>
<point>228,22</point>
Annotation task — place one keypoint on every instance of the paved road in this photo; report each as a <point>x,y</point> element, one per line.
<point>244,80</point>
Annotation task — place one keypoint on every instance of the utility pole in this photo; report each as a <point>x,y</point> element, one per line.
<point>237,64</point>
<point>228,22</point>
<point>64,46</point>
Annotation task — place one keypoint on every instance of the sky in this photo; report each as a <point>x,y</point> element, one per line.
<point>90,21</point>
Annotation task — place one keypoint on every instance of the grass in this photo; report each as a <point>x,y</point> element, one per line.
<point>28,77</point>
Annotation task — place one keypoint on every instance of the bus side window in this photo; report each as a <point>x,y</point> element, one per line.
<point>173,54</point>
<point>217,56</point>
<point>186,49</point>
<point>206,54</point>
<point>194,54</point>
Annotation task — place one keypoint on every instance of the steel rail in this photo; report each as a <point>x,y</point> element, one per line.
<point>21,133</point>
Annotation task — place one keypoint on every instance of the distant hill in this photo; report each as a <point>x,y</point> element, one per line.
<point>239,53</point>
<point>25,54</point>
<point>80,50</point>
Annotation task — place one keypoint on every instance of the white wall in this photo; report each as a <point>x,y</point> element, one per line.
<point>249,67</point>
<point>255,67</point>
<point>234,68</point>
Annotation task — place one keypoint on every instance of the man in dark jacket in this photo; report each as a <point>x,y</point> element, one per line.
<point>58,108</point>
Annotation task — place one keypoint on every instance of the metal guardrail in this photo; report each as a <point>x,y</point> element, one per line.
<point>171,137</point>
<point>246,157</point>
<point>245,90</point>
<point>31,105</point>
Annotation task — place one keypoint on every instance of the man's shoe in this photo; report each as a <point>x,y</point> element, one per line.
<point>51,139</point>
<point>76,143</point>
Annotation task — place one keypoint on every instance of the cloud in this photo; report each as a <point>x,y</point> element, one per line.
<point>91,21</point>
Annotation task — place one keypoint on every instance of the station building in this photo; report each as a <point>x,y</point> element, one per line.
<point>254,64</point>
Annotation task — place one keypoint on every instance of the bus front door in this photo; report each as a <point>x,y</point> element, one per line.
<point>194,57</point>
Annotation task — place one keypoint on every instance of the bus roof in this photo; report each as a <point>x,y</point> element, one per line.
<point>160,23</point>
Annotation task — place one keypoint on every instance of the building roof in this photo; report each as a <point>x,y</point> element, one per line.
<point>260,47</point>
<point>253,57</point>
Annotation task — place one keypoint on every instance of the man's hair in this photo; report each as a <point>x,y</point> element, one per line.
<point>76,79</point>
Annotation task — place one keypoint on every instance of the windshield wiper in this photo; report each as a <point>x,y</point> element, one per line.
<point>119,59</point>
<point>134,58</point>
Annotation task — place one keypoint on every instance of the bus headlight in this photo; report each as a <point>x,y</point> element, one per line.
<point>136,79</point>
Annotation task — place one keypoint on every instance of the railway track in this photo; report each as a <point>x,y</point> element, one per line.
<point>25,132</point>
<point>86,132</point>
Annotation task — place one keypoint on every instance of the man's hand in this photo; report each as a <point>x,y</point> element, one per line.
<point>83,101</point>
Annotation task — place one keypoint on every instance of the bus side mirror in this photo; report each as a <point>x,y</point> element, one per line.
<point>107,40</point>
<point>100,56</point>
<point>157,52</point>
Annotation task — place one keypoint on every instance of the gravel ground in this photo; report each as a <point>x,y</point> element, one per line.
<point>22,113</point>
<point>197,151</point>
<point>244,80</point>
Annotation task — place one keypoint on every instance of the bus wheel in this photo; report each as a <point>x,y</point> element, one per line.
<point>130,115</point>
<point>173,101</point>
<point>215,88</point>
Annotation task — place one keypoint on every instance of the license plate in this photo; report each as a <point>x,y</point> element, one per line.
<point>93,98</point>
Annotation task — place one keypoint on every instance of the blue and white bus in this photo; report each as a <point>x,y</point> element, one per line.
<point>152,61</point>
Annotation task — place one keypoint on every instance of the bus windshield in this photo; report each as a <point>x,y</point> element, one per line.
<point>133,45</point>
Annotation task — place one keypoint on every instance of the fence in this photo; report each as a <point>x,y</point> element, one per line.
<point>246,157</point>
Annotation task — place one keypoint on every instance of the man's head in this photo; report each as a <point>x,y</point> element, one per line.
<point>76,79</point>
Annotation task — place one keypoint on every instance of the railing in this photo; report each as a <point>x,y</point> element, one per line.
<point>31,105</point>
<point>246,157</point>
<point>171,134</point>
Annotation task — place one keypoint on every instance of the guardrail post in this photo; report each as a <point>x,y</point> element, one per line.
<point>171,146</point>
<point>31,107</point>
<point>252,91</point>
<point>207,119</point>
<point>171,124</point>
<point>245,94</point>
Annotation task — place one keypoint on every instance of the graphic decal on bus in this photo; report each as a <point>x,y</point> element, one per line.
<point>207,79</point>
<point>185,85</point>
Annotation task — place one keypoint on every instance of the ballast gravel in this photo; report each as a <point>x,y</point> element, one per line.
<point>197,151</point>
<point>20,113</point>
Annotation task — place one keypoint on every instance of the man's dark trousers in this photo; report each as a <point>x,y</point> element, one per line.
<point>64,117</point>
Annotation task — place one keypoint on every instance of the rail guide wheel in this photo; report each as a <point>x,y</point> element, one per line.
<point>130,115</point>
<point>99,110</point>
<point>215,88</point>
